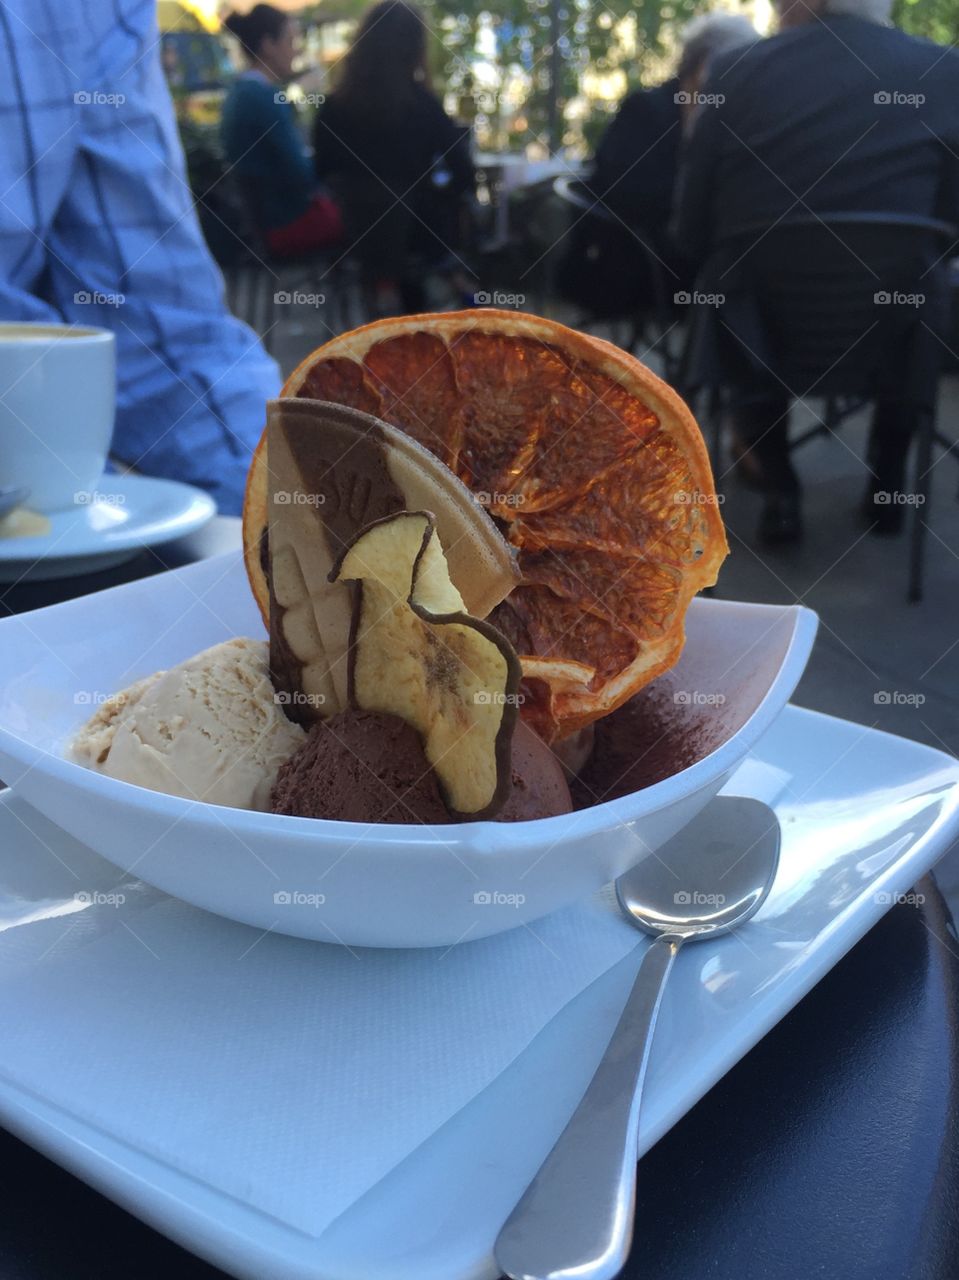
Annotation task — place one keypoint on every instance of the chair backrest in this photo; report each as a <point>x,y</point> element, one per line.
<point>634,245</point>
<point>839,304</point>
<point>253,231</point>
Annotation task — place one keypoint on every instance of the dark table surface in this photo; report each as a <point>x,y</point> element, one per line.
<point>831,1150</point>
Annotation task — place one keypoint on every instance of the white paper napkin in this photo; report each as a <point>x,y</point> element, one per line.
<point>288,1074</point>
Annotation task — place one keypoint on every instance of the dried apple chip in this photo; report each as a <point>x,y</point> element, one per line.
<point>416,653</point>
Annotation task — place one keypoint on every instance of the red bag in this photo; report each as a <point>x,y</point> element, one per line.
<point>320,227</point>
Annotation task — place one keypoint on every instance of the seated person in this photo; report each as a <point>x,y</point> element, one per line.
<point>263,144</point>
<point>97,206</point>
<point>398,163</point>
<point>806,126</point>
<point>633,175</point>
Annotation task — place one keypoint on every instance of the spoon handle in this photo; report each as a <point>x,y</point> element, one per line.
<point>576,1216</point>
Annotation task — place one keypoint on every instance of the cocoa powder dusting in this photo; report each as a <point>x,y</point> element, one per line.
<point>647,739</point>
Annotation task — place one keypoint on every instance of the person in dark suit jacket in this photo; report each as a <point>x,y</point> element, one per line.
<point>839,112</point>
<point>633,175</point>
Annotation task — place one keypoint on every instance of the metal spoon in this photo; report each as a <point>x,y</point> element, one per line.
<point>575,1219</point>
<point>10,498</point>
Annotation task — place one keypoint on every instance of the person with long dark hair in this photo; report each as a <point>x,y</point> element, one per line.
<point>263,144</point>
<point>399,164</point>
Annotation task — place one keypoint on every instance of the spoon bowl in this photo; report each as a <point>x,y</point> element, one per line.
<point>709,878</point>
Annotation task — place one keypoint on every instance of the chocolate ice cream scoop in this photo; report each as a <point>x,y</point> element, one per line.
<point>360,766</point>
<point>539,782</point>
<point>365,766</point>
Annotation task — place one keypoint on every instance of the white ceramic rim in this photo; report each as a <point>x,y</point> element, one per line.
<point>54,333</point>
<point>480,836</point>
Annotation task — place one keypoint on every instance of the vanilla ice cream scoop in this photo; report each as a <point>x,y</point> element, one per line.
<point>210,729</point>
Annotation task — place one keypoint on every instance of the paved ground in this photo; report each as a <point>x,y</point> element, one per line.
<point>878,660</point>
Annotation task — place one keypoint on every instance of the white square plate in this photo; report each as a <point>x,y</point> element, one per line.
<point>200,1094</point>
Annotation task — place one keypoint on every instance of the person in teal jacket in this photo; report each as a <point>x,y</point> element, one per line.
<point>263,144</point>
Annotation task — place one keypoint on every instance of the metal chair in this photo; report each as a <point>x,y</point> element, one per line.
<point>844,307</point>
<point>649,324</point>
<point>256,284</point>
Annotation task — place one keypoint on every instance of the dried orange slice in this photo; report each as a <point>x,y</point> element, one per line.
<point>594,469</point>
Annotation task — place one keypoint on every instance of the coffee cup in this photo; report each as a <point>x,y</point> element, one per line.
<point>57,402</point>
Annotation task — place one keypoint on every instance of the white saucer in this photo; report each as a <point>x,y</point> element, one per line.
<point>125,513</point>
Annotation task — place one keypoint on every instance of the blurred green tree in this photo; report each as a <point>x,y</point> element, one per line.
<point>935,19</point>
<point>493,58</point>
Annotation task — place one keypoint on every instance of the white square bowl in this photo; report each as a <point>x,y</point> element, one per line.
<point>362,885</point>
